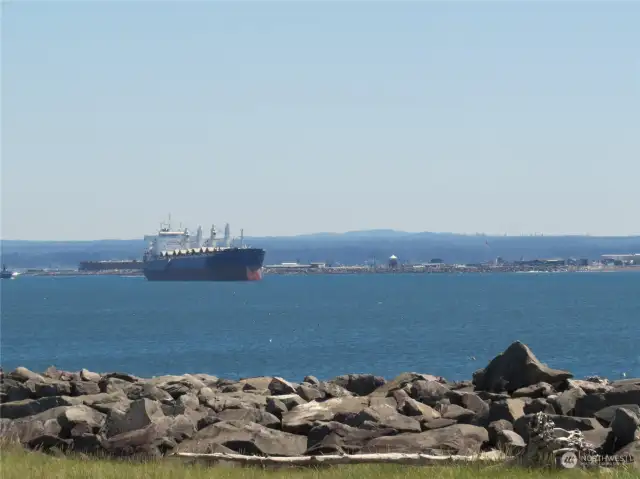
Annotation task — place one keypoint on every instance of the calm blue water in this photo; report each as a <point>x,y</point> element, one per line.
<point>322,325</point>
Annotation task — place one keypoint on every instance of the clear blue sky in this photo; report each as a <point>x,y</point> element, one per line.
<point>297,117</point>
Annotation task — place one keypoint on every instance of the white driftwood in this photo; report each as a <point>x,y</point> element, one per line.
<point>335,459</point>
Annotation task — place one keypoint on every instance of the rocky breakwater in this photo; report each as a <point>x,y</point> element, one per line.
<point>516,404</point>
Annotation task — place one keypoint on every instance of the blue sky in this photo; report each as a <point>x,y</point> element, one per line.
<point>298,117</point>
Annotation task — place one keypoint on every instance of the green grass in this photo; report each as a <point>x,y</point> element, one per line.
<point>16,463</point>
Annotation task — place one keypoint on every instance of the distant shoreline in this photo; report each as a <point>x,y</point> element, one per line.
<point>359,270</point>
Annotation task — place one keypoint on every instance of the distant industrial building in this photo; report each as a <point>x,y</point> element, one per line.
<point>110,265</point>
<point>393,262</point>
<point>630,258</point>
<point>542,262</point>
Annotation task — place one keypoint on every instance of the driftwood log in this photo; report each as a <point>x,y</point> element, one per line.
<point>333,460</point>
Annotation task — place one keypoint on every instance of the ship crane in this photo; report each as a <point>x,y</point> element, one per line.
<point>227,235</point>
<point>212,237</point>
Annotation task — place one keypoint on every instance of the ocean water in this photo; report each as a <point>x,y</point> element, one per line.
<point>291,326</point>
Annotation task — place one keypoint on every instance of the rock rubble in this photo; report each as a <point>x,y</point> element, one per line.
<point>516,404</point>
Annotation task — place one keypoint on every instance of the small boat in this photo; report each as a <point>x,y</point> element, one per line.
<point>6,274</point>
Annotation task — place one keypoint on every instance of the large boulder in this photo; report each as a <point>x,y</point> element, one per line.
<point>301,418</point>
<point>250,415</point>
<point>84,388</point>
<point>403,380</point>
<point>383,416</point>
<point>139,414</point>
<point>48,387</point>
<point>12,390</point>
<point>430,392</point>
<point>359,384</point>
<point>625,426</point>
<point>30,407</point>
<point>245,438</point>
<point>22,374</point>
<point>517,367</point>
<point>619,395</point>
<point>463,439</point>
<point>337,438</point>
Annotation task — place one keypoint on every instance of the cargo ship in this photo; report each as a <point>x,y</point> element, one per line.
<point>6,274</point>
<point>178,256</point>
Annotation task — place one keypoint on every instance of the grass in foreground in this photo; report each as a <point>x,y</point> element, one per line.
<point>16,463</point>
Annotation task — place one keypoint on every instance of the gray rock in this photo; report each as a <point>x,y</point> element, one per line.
<point>507,409</point>
<point>589,387</point>
<point>186,402</point>
<point>84,388</point>
<point>463,439</point>
<point>495,428</point>
<point>331,390</point>
<point>301,419</point>
<point>112,385</point>
<point>411,407</point>
<point>429,392</point>
<point>177,386</point>
<point>457,413</point>
<point>257,383</point>
<point>625,393</point>
<point>140,414</point>
<point>602,439</point>
<point>309,392</point>
<point>48,387</point>
<point>250,415</point>
<point>121,376</point>
<point>22,375</point>
<point>540,390</point>
<point>517,367</point>
<point>606,415</point>
<point>87,375</point>
<point>384,416</point>
<point>207,379</point>
<point>438,423</point>
<point>510,442</point>
<point>359,384</point>
<point>75,415</point>
<point>311,380</point>
<point>489,396</point>
<point>145,390</point>
<point>178,428</point>
<point>289,400</point>
<point>403,380</point>
<point>337,438</point>
<point>538,405</point>
<point>479,406</point>
<point>12,390</point>
<point>30,407</point>
<point>144,442</point>
<point>625,426</point>
<point>276,407</point>
<point>245,438</point>
<point>87,443</point>
<point>565,403</point>
<point>279,386</point>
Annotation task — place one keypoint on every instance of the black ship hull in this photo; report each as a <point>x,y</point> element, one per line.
<point>234,264</point>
